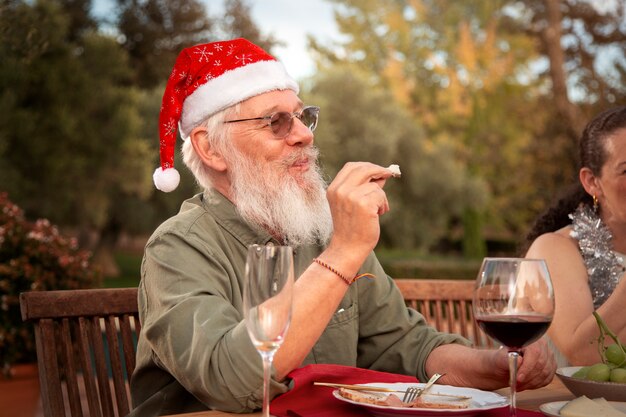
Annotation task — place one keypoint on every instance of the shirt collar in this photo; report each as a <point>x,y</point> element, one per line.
<point>227,216</point>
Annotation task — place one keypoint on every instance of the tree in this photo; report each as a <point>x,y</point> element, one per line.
<point>360,121</point>
<point>80,19</point>
<point>79,112</point>
<point>237,23</point>
<point>449,65</point>
<point>467,71</point>
<point>155,31</point>
<point>584,46</point>
<point>69,121</point>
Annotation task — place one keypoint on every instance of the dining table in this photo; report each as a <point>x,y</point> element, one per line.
<point>526,400</point>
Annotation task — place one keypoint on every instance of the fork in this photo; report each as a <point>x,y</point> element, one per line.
<point>412,393</point>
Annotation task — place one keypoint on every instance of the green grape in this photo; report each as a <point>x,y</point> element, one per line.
<point>599,372</point>
<point>581,373</point>
<point>618,375</point>
<point>615,354</point>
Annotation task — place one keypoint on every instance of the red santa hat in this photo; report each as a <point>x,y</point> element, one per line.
<point>206,79</point>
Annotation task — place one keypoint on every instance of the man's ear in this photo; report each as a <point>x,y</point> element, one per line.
<point>589,182</point>
<point>210,157</point>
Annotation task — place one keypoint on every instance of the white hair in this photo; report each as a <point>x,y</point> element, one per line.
<point>218,135</point>
<point>297,211</point>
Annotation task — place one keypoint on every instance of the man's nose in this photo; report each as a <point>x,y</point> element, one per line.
<point>300,134</point>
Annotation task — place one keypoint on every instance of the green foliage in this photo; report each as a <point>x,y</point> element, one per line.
<point>415,264</point>
<point>474,246</point>
<point>361,122</point>
<point>448,90</point>
<point>237,23</point>
<point>33,257</point>
<point>71,124</point>
<point>130,271</point>
<point>68,120</point>
<point>466,72</point>
<point>594,52</point>
<point>155,31</point>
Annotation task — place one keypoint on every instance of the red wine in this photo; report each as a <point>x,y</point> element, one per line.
<point>514,332</point>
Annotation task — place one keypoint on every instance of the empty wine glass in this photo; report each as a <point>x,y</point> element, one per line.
<point>267,301</point>
<point>514,304</point>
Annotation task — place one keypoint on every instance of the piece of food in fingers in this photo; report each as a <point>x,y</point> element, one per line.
<point>395,170</point>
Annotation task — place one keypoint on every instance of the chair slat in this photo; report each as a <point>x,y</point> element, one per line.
<point>126,325</point>
<point>89,378</point>
<point>70,366</point>
<point>461,314</point>
<point>450,318</point>
<point>49,369</point>
<point>446,304</point>
<point>136,321</point>
<point>79,335</point>
<point>102,376</point>
<point>117,369</point>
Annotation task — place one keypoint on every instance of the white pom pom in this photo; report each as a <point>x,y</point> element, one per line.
<point>166,180</point>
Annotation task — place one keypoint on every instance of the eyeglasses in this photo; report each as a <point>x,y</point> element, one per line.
<point>281,122</point>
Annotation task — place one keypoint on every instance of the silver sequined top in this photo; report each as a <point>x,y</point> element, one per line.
<point>604,266</point>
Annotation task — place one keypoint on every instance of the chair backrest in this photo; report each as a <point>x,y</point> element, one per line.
<point>86,342</point>
<point>446,304</point>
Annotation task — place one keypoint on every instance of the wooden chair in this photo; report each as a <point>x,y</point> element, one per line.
<point>446,304</point>
<point>85,343</point>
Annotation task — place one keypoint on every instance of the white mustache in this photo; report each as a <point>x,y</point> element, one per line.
<point>311,153</point>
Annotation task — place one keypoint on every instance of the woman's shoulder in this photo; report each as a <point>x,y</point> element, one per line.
<point>559,241</point>
<point>561,252</point>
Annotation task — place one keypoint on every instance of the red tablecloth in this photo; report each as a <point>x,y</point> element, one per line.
<point>308,400</point>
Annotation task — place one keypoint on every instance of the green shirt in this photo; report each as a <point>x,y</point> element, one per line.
<point>194,351</point>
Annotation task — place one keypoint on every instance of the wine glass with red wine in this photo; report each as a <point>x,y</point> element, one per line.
<point>514,304</point>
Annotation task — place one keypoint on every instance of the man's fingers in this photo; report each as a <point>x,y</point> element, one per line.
<point>537,367</point>
<point>356,173</point>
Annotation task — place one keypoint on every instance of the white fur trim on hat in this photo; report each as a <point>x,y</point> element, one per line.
<point>233,87</point>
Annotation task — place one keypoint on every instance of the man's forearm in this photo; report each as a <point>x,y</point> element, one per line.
<point>317,293</point>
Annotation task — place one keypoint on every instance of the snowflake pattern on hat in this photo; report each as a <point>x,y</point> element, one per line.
<point>206,79</point>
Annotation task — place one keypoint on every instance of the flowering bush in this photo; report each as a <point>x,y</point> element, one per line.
<point>33,257</point>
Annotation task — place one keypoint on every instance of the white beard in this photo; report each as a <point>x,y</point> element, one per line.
<point>268,196</point>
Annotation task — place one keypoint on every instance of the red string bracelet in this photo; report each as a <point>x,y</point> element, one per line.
<point>339,274</point>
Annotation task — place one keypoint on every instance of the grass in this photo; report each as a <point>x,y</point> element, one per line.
<point>129,264</point>
<point>413,264</point>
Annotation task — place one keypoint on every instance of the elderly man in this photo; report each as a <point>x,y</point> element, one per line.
<point>249,143</point>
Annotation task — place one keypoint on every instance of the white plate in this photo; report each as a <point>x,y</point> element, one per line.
<point>481,401</point>
<point>552,409</point>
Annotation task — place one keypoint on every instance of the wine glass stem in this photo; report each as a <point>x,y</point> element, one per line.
<point>513,355</point>
<point>267,371</point>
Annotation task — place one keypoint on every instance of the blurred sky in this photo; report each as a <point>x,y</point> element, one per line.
<point>288,20</point>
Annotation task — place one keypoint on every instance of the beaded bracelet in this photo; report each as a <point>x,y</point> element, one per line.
<point>339,274</point>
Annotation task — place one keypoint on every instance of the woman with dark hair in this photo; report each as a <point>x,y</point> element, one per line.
<point>583,240</point>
